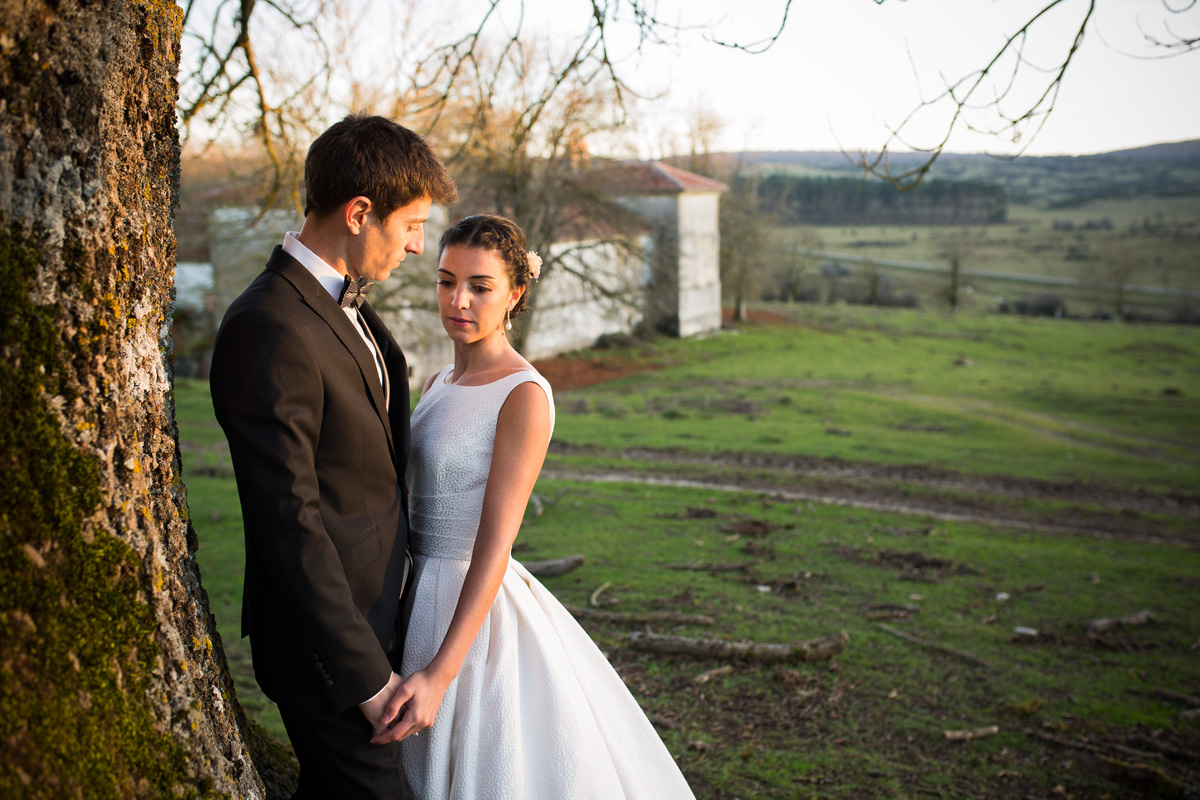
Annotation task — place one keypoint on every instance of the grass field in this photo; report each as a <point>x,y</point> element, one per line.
<point>1153,241</point>
<point>953,478</point>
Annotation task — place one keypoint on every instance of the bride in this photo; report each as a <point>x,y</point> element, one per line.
<point>505,696</point>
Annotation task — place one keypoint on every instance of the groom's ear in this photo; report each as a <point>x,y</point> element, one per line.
<point>355,212</point>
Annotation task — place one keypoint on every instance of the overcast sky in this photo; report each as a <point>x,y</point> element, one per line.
<point>843,70</point>
<point>840,74</point>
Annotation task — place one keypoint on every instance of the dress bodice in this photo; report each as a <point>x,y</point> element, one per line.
<point>453,433</point>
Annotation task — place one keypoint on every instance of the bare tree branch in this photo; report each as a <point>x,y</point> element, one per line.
<point>762,45</point>
<point>961,93</point>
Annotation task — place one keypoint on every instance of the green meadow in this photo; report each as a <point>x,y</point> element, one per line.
<point>960,495</point>
<point>1150,241</point>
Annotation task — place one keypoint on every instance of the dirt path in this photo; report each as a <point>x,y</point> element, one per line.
<point>1103,511</point>
<point>1079,509</point>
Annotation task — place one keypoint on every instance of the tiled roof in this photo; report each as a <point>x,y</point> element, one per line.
<point>655,177</point>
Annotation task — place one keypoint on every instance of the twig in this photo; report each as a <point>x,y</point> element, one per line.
<point>700,566</point>
<point>1178,697</point>
<point>536,502</point>
<point>540,504</point>
<point>639,617</point>
<point>819,649</point>
<point>555,566</point>
<point>1167,750</point>
<point>932,646</point>
<point>893,607</point>
<point>1103,750</point>
<point>1133,620</point>
<point>594,600</point>
<point>705,677</point>
<point>967,735</point>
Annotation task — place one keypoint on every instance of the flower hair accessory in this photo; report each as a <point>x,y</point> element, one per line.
<point>535,264</point>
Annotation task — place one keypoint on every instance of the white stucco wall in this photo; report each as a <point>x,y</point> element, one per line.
<point>688,287</point>
<point>699,263</point>
<point>571,313</point>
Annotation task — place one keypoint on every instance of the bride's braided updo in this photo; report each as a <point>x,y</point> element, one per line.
<point>503,237</point>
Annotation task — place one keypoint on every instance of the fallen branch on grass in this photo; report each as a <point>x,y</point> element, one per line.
<point>705,677</point>
<point>1102,750</point>
<point>1132,621</point>
<point>822,648</point>
<point>639,617</point>
<point>539,504</point>
<point>594,600</point>
<point>700,566</point>
<point>1178,697</point>
<point>893,607</point>
<point>968,735</point>
<point>555,566</point>
<point>908,637</point>
<point>1170,751</point>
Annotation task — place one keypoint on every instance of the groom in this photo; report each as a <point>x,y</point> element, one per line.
<point>312,393</point>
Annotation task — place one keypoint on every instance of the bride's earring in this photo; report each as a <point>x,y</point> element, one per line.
<point>507,319</point>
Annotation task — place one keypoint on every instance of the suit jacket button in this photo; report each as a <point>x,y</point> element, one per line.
<point>329,683</point>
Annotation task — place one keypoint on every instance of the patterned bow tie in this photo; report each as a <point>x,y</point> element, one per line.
<point>354,292</point>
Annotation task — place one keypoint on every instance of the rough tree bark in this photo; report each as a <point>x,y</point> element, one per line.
<point>113,682</point>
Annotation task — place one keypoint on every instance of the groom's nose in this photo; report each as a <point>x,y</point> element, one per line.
<point>416,245</point>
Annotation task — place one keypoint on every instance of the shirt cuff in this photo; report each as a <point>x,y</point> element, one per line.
<point>372,697</point>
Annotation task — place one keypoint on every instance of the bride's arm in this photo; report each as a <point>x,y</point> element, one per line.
<point>522,435</point>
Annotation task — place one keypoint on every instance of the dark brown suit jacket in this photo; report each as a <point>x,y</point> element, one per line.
<point>320,465</point>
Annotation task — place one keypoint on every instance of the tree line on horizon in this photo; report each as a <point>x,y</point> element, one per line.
<point>800,200</point>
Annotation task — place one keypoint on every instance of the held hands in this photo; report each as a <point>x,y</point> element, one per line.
<point>418,698</point>
<point>373,710</point>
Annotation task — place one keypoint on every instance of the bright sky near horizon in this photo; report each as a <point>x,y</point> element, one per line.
<point>843,70</point>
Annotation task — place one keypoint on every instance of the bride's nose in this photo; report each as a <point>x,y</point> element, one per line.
<point>460,299</point>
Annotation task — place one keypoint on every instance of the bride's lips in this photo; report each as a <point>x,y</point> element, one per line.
<point>459,322</point>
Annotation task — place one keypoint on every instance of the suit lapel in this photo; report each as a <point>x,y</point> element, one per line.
<point>397,369</point>
<point>323,305</point>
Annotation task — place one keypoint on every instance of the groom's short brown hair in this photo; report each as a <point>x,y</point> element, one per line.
<point>376,158</point>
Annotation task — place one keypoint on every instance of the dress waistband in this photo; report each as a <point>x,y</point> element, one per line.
<point>431,545</point>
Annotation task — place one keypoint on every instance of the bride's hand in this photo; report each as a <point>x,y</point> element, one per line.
<point>418,697</point>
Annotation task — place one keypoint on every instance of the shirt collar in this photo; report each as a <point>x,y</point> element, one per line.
<point>327,276</point>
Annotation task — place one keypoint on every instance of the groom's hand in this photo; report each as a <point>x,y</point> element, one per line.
<point>373,710</point>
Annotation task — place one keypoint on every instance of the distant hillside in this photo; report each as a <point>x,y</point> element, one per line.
<point>1159,170</point>
<point>1169,151</point>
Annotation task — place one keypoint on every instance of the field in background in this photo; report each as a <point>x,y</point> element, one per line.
<point>1100,403</point>
<point>954,478</point>
<point>1151,242</point>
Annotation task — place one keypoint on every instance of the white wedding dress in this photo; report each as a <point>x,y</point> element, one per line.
<point>537,712</point>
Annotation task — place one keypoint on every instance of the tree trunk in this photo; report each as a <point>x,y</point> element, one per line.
<point>952,289</point>
<point>113,682</point>
<point>741,309</point>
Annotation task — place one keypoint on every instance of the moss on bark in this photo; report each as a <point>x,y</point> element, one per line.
<point>112,677</point>
<point>77,645</point>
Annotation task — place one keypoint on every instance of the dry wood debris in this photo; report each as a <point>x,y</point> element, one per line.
<point>822,648</point>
